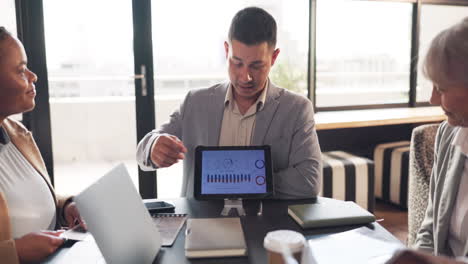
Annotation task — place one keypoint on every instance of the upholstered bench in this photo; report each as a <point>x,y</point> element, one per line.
<point>391,172</point>
<point>349,178</point>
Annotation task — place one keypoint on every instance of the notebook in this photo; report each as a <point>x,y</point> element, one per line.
<point>214,237</point>
<point>328,212</point>
<point>169,225</point>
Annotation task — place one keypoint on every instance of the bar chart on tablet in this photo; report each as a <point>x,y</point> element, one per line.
<point>233,171</point>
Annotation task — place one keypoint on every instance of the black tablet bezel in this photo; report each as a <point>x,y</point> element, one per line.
<point>268,174</point>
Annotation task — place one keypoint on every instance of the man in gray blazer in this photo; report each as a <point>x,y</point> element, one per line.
<point>247,110</point>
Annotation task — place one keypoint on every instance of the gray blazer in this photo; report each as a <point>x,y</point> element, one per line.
<point>286,123</point>
<point>443,189</point>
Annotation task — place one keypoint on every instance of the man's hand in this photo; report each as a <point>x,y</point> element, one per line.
<point>72,216</point>
<point>167,150</point>
<point>35,247</point>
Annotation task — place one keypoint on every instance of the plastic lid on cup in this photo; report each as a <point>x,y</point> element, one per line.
<point>292,239</point>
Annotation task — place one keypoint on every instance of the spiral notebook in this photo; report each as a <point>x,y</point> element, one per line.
<point>169,225</point>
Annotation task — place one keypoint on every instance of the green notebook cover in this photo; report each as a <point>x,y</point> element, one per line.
<point>328,212</point>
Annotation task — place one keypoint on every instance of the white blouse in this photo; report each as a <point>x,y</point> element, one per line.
<point>458,230</point>
<point>30,202</point>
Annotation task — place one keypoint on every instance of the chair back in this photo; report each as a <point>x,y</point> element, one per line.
<point>420,168</point>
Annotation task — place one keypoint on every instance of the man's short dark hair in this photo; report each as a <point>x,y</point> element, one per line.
<point>252,26</point>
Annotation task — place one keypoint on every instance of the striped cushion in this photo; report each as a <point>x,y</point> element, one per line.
<point>391,172</point>
<point>349,178</point>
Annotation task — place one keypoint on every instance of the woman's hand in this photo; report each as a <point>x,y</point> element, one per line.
<point>72,216</point>
<point>35,247</point>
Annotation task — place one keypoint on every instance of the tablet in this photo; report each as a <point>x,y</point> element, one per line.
<point>233,172</point>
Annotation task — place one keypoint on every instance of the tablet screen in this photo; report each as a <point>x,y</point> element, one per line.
<point>233,172</point>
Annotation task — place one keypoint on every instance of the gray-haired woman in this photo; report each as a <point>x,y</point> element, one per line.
<point>444,231</point>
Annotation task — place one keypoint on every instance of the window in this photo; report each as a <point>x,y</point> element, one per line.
<point>362,59</point>
<point>8,15</point>
<point>431,27</point>
<point>92,106</point>
<point>363,52</point>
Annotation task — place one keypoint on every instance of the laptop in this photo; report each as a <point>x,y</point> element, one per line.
<point>118,220</point>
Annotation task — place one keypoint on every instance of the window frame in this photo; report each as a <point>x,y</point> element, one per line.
<point>30,27</point>
<point>414,57</point>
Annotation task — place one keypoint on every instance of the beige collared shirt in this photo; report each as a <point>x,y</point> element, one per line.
<point>237,129</point>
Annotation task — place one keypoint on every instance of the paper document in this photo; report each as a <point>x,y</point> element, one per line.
<point>352,247</point>
<point>75,235</point>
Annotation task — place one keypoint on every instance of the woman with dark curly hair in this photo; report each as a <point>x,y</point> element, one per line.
<point>28,203</point>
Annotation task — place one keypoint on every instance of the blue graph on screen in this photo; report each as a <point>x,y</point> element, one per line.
<point>233,172</point>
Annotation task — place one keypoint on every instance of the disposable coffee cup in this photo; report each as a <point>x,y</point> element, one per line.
<point>274,241</point>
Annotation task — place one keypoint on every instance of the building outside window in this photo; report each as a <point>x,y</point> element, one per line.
<point>446,16</point>
<point>363,52</point>
<point>8,15</point>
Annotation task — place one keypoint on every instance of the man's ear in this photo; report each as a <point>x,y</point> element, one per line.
<point>274,56</point>
<point>226,48</point>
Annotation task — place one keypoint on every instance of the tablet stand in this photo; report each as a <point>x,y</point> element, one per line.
<point>260,209</point>
<point>230,204</point>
